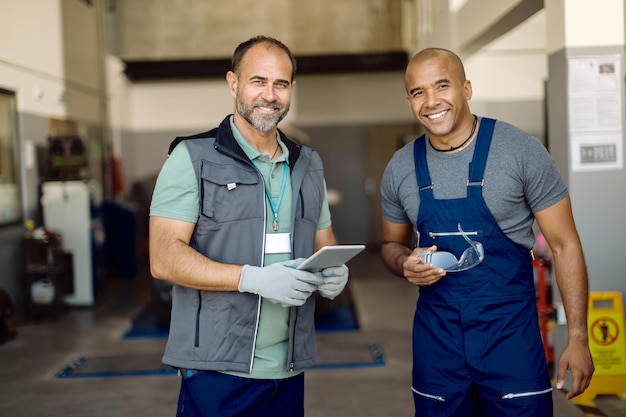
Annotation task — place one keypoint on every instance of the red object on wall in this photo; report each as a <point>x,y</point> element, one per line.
<point>117,180</point>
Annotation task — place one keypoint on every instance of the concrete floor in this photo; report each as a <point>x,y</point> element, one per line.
<point>28,364</point>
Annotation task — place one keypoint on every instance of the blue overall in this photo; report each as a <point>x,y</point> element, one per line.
<point>477,348</point>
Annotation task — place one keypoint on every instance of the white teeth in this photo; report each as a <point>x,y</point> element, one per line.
<point>437,116</point>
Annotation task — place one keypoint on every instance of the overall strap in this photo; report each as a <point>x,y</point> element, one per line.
<point>422,175</point>
<point>479,160</point>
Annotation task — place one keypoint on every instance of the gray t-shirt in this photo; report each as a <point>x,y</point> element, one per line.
<point>520,179</point>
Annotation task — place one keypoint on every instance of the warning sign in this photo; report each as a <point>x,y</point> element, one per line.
<point>608,347</point>
<point>606,333</point>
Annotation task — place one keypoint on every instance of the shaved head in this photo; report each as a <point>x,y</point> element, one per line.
<point>433,53</point>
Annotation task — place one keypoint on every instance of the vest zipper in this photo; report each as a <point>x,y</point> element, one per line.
<point>511,395</point>
<point>258,308</point>
<point>198,310</point>
<point>256,332</point>
<point>292,341</point>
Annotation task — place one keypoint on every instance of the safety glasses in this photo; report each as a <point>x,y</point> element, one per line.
<point>471,257</point>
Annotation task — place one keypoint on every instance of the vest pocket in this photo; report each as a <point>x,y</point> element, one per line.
<point>311,196</point>
<point>228,193</point>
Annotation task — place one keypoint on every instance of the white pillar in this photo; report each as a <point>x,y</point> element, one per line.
<point>585,111</point>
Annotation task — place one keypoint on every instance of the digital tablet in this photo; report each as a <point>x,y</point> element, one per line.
<point>329,256</point>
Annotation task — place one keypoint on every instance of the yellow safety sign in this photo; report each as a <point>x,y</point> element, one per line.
<point>606,333</point>
<point>607,342</point>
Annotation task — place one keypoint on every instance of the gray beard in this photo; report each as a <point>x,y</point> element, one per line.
<point>261,122</point>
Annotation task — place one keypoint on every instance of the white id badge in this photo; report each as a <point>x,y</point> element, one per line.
<point>277,243</point>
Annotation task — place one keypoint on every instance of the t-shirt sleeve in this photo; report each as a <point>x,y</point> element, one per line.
<point>544,186</point>
<point>393,176</point>
<point>175,194</point>
<point>324,220</point>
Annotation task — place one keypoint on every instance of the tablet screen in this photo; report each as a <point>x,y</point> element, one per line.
<point>329,256</point>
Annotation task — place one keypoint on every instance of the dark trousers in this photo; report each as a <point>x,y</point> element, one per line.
<point>213,394</point>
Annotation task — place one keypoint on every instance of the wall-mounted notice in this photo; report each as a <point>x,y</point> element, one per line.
<point>595,106</point>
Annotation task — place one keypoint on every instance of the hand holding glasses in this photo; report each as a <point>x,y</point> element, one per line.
<point>471,257</point>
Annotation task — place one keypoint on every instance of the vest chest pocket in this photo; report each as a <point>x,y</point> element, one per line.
<point>228,193</point>
<point>309,203</point>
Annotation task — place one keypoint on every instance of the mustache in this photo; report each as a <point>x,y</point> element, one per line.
<point>264,103</point>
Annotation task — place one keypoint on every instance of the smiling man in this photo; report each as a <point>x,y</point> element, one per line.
<point>459,204</point>
<point>234,212</point>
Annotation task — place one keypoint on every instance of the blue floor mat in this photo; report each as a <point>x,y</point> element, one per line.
<point>134,365</point>
<point>339,319</point>
<point>146,325</point>
<point>115,366</point>
<point>353,356</point>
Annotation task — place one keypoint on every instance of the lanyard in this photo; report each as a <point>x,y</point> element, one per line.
<point>280,196</point>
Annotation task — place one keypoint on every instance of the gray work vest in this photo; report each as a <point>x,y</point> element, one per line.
<point>213,330</point>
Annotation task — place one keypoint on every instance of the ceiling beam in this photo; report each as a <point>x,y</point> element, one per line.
<point>145,70</point>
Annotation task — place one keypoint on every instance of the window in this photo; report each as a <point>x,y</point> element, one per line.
<point>10,205</point>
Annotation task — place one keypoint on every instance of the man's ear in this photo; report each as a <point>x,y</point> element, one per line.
<point>231,79</point>
<point>468,90</point>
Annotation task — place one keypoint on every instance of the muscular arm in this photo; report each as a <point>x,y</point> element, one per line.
<point>557,225</point>
<point>173,260</point>
<point>401,260</point>
<point>395,247</point>
<point>325,237</point>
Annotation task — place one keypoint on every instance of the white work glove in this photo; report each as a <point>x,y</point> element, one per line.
<point>280,283</point>
<point>335,280</point>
